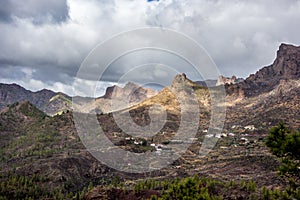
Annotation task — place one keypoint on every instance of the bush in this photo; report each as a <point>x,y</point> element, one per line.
<point>285,144</point>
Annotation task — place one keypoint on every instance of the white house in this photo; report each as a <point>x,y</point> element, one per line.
<point>250,127</point>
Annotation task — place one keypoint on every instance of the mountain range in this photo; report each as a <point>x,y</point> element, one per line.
<point>56,102</point>
<point>284,68</point>
<point>38,135</point>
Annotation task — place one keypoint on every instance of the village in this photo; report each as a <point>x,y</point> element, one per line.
<point>247,136</point>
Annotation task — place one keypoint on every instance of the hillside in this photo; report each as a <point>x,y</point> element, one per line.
<point>44,151</point>
<point>269,96</point>
<point>43,157</point>
<point>179,90</point>
<point>282,104</point>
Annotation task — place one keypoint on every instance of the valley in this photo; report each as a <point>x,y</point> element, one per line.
<point>43,157</point>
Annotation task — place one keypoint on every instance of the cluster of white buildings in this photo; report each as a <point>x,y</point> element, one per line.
<point>220,135</point>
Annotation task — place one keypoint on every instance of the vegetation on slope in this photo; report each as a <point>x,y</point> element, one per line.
<point>285,144</point>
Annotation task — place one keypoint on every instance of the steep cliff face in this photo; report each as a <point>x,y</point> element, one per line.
<point>285,67</point>
<point>117,98</point>
<point>134,92</point>
<point>181,82</point>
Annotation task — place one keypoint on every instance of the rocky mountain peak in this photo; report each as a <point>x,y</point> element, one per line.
<point>179,78</point>
<point>287,49</point>
<point>116,91</point>
<point>286,66</point>
<point>130,89</point>
<point>130,85</point>
<point>181,81</point>
<point>109,91</point>
<point>287,63</point>
<point>225,80</point>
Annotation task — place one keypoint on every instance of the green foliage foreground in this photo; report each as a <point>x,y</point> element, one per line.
<point>285,144</point>
<point>195,188</point>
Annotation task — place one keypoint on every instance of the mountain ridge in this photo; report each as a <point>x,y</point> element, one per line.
<point>53,103</point>
<point>285,66</point>
<point>33,143</point>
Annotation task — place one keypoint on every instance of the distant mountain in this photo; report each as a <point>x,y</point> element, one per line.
<point>46,100</point>
<point>222,80</point>
<point>133,92</point>
<point>207,83</point>
<point>53,103</point>
<point>11,93</point>
<point>115,98</point>
<point>225,80</point>
<point>285,67</point>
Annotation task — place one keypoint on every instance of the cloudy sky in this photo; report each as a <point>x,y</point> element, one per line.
<point>43,43</point>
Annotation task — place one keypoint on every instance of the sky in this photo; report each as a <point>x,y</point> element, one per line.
<point>43,43</point>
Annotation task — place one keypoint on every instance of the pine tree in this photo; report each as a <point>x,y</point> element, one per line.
<point>285,144</point>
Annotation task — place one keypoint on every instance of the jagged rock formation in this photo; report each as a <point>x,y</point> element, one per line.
<point>225,80</point>
<point>133,92</point>
<point>269,96</point>
<point>285,67</point>
<point>115,98</point>
<point>181,81</point>
<point>180,88</point>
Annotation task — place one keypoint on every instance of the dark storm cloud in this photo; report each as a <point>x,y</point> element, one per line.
<point>43,43</point>
<point>37,11</point>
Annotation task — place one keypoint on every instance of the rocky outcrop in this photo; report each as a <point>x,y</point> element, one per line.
<point>222,80</point>
<point>285,67</point>
<point>115,98</point>
<point>131,91</point>
<point>182,82</point>
<point>110,90</point>
<point>226,80</point>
